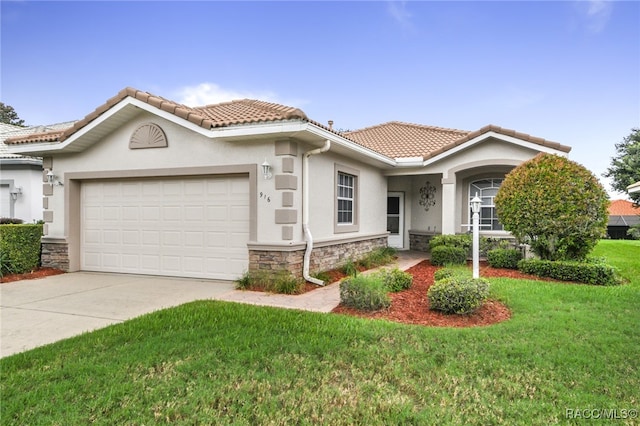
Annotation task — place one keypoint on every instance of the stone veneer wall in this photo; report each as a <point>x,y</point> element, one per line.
<point>55,254</point>
<point>419,241</point>
<point>323,258</point>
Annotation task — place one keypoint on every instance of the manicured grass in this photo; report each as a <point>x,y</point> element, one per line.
<point>567,346</point>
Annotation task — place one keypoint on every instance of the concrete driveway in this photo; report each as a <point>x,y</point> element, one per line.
<point>37,312</point>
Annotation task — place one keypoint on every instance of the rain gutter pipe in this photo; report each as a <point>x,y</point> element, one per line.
<point>305,212</point>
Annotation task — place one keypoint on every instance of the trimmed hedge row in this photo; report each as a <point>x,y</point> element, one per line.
<point>20,247</point>
<point>504,258</point>
<point>593,272</point>
<point>448,255</point>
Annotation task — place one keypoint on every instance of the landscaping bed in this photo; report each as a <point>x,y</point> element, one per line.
<point>37,273</point>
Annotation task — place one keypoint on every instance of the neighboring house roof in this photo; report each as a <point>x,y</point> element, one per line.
<point>399,140</point>
<point>393,139</point>
<point>9,131</point>
<point>623,213</point>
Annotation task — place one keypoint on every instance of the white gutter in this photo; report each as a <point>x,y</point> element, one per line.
<point>305,211</point>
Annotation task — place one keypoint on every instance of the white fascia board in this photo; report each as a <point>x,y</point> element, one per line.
<point>410,161</point>
<point>346,143</point>
<point>491,134</point>
<point>244,130</point>
<point>633,188</point>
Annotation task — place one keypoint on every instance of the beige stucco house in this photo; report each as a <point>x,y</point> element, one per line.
<point>145,185</point>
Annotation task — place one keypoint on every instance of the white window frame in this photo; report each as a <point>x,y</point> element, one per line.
<point>487,202</point>
<point>354,175</point>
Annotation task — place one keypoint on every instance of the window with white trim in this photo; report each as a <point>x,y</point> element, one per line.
<point>486,189</point>
<point>347,201</point>
<point>346,198</point>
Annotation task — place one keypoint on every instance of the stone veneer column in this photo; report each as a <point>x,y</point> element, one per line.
<point>286,183</point>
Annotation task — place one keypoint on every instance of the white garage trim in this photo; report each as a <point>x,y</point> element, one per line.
<point>73,196</point>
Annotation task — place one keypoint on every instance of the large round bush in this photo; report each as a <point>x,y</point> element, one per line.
<point>554,204</point>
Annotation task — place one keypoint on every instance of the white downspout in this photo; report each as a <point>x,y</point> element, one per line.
<point>305,211</point>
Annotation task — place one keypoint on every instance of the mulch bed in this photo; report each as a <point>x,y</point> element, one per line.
<point>38,273</point>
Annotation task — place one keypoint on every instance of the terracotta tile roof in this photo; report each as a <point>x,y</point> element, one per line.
<point>219,115</point>
<point>397,139</point>
<point>623,208</point>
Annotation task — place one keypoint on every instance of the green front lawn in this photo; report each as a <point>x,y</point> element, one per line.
<point>567,347</point>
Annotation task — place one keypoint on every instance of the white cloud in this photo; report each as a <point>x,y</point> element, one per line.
<point>595,14</point>
<point>211,93</point>
<point>398,11</point>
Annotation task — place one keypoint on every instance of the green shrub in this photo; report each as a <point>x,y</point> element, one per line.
<point>20,244</point>
<point>504,258</point>
<point>6,265</point>
<point>463,241</point>
<point>588,272</point>
<point>448,255</point>
<point>350,268</point>
<point>378,257</point>
<point>270,281</point>
<point>458,295</point>
<point>366,293</point>
<point>395,279</point>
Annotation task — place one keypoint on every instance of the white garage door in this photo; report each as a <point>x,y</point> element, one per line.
<point>186,227</point>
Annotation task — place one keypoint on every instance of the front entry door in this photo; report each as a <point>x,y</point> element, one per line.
<point>395,219</point>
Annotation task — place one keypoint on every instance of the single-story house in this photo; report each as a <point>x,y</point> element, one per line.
<point>145,185</point>
<point>622,215</point>
<point>21,176</point>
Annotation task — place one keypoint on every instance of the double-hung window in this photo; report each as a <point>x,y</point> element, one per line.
<point>346,207</point>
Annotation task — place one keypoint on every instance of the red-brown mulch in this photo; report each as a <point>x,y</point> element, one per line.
<point>38,273</point>
<point>412,306</point>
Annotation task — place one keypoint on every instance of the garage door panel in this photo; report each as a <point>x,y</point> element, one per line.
<point>194,227</point>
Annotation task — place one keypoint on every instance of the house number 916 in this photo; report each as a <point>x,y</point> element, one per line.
<point>265,197</point>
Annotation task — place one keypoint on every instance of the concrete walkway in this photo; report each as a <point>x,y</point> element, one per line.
<point>38,312</point>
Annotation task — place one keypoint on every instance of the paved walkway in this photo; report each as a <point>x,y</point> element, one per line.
<point>37,312</point>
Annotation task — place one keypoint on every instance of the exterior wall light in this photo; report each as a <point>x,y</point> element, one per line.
<point>266,169</point>
<point>15,192</point>
<point>476,203</point>
<point>52,179</point>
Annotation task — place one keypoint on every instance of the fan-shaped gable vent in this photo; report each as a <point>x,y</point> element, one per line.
<point>148,135</point>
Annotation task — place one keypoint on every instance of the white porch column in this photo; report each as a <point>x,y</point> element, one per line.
<point>448,205</point>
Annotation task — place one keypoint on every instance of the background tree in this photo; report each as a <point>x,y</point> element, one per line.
<point>9,116</point>
<point>625,166</point>
<point>555,205</point>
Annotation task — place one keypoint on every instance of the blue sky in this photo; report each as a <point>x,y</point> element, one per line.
<point>566,71</point>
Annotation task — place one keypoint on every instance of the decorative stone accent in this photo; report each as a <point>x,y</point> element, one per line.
<point>149,135</point>
<point>286,216</point>
<point>47,189</point>
<point>47,216</point>
<point>55,254</point>
<point>286,147</point>
<point>287,165</point>
<point>287,233</point>
<point>287,199</point>
<point>323,258</point>
<point>45,202</point>
<point>419,241</point>
<point>286,182</point>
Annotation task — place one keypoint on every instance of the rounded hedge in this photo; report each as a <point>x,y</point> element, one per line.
<point>448,255</point>
<point>554,204</point>
<point>458,295</point>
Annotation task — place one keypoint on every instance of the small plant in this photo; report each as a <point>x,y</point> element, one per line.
<point>6,265</point>
<point>350,268</point>
<point>366,293</point>
<point>10,221</point>
<point>458,295</point>
<point>448,255</point>
<point>322,276</point>
<point>395,279</point>
<point>504,258</point>
<point>270,281</point>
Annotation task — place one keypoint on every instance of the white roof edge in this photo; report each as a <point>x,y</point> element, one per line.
<point>633,188</point>
<point>495,135</point>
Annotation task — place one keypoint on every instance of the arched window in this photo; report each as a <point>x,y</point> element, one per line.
<point>486,190</point>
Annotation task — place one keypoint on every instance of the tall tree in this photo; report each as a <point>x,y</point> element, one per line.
<point>625,166</point>
<point>9,116</point>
